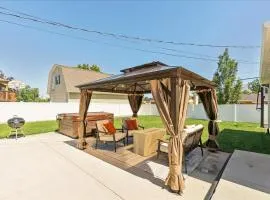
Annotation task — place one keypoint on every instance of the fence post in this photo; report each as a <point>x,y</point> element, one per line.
<point>235,112</point>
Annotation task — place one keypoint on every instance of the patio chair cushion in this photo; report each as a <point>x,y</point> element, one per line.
<point>110,127</point>
<point>109,138</point>
<point>132,124</point>
<point>100,126</point>
<point>129,118</point>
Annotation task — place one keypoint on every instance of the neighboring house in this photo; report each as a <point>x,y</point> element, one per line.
<point>3,84</point>
<point>251,99</point>
<point>248,99</point>
<point>5,94</point>
<point>63,80</point>
<point>16,85</point>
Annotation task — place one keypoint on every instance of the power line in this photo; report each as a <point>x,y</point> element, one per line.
<point>114,45</point>
<point>242,79</point>
<point>106,43</point>
<point>123,36</point>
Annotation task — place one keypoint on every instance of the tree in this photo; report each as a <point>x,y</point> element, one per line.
<point>95,68</point>
<point>28,94</point>
<point>2,76</point>
<point>246,92</point>
<point>228,85</point>
<point>10,78</point>
<point>89,67</point>
<point>83,66</point>
<point>254,86</point>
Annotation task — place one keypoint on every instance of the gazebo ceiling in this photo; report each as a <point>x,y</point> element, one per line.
<point>136,80</point>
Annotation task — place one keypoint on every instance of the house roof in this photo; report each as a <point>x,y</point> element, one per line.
<point>249,98</point>
<point>74,76</point>
<point>135,80</point>
<point>143,66</point>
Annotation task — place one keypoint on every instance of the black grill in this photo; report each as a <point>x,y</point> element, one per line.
<point>16,124</point>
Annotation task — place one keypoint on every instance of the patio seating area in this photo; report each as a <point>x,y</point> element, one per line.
<point>170,87</point>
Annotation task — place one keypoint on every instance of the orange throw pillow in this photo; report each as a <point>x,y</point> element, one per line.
<point>132,124</point>
<point>110,127</point>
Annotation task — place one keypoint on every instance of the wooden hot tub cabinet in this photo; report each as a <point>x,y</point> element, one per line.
<point>68,123</point>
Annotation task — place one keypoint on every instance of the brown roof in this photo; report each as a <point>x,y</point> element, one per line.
<point>74,76</point>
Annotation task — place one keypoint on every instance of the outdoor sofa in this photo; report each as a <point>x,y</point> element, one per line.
<point>191,140</point>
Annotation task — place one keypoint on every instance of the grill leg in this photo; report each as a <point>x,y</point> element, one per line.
<point>16,133</point>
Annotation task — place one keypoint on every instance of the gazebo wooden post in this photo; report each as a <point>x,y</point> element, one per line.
<point>85,99</point>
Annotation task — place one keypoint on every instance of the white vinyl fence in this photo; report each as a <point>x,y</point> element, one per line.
<point>231,112</point>
<point>48,111</point>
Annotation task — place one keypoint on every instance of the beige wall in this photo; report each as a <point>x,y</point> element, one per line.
<point>58,92</point>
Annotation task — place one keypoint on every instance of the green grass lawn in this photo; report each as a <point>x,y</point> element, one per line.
<point>31,128</point>
<point>241,135</point>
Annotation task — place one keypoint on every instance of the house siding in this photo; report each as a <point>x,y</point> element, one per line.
<point>58,92</point>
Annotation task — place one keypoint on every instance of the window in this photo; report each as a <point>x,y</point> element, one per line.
<point>57,80</point>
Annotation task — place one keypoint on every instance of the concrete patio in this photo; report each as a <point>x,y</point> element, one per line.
<point>46,166</point>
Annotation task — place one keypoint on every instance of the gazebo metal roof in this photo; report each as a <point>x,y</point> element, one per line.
<point>135,80</point>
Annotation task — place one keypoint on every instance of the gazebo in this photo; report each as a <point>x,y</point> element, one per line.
<point>170,87</point>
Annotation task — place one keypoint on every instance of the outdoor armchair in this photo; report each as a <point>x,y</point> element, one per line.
<point>191,140</point>
<point>104,136</point>
<point>129,133</point>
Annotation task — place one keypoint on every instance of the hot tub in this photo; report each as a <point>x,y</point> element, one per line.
<point>68,123</point>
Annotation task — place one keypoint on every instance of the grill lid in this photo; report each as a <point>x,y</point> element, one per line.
<point>16,122</point>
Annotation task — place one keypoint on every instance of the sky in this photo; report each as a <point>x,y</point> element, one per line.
<point>28,54</point>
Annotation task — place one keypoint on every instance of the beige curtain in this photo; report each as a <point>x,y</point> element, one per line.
<point>171,96</point>
<point>84,104</point>
<point>209,101</point>
<point>135,102</point>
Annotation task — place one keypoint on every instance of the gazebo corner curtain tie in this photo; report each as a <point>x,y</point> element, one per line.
<point>209,101</point>
<point>171,97</point>
<point>85,99</point>
<point>135,102</point>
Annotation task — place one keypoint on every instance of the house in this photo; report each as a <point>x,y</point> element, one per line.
<point>5,94</point>
<point>248,99</point>
<point>16,85</point>
<point>251,99</point>
<point>62,82</point>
